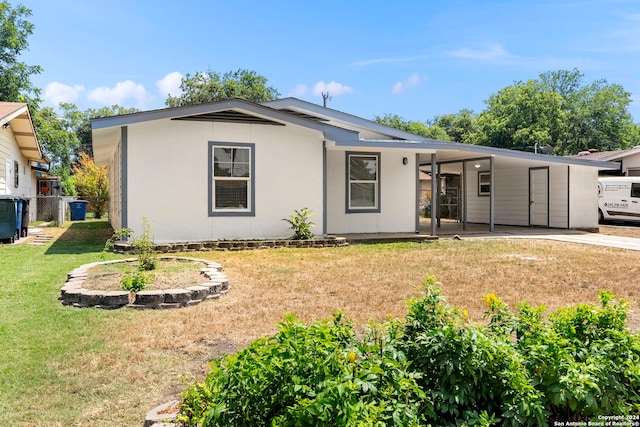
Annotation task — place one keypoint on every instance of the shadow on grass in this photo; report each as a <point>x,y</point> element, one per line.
<point>82,237</point>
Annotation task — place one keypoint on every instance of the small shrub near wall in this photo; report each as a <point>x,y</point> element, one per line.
<point>437,367</point>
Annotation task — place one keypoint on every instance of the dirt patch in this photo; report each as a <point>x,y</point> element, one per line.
<point>169,274</point>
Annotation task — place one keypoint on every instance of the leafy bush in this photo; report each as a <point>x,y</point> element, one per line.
<point>435,368</point>
<point>301,224</point>
<point>136,281</point>
<point>142,245</point>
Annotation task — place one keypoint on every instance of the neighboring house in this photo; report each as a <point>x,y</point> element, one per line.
<point>19,148</point>
<point>233,169</point>
<point>629,159</point>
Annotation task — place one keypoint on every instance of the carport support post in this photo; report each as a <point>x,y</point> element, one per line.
<point>434,190</point>
<point>492,176</point>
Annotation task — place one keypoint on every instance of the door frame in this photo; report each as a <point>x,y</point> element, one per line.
<point>531,201</point>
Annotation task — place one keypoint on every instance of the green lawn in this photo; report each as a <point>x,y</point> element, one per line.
<point>43,342</point>
<point>65,366</point>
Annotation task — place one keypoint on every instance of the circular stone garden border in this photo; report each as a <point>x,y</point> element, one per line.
<point>72,293</point>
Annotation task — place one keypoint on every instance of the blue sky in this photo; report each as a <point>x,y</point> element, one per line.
<point>417,59</point>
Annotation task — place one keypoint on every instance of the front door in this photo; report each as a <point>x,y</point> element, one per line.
<point>539,196</point>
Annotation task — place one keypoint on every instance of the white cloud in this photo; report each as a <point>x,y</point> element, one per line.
<point>412,81</point>
<point>491,52</point>
<point>366,62</point>
<point>120,92</point>
<point>57,92</point>
<point>333,88</point>
<point>299,90</point>
<point>169,85</point>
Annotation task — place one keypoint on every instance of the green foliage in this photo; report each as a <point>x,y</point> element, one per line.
<point>414,127</point>
<point>142,245</point>
<point>558,109</point>
<point>92,182</point>
<point>435,368</point>
<point>79,122</point>
<point>58,142</point>
<point>207,87</point>
<point>301,224</point>
<point>317,375</point>
<point>136,281</point>
<point>14,75</point>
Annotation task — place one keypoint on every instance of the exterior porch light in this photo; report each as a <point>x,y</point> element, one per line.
<point>405,160</point>
<point>477,165</point>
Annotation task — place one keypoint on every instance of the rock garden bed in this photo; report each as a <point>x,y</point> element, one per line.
<point>97,285</point>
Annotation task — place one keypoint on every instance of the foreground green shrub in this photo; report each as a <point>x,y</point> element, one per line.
<point>316,375</point>
<point>436,368</point>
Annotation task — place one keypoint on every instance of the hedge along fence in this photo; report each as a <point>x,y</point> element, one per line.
<point>436,367</point>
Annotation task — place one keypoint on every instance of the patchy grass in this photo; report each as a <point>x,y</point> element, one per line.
<point>68,366</point>
<point>169,274</point>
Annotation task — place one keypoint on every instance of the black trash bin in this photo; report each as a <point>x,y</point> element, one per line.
<point>9,227</point>
<point>78,210</point>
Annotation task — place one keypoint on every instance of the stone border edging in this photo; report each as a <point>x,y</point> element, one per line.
<point>72,293</point>
<point>237,245</point>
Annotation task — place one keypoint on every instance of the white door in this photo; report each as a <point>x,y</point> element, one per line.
<point>539,197</point>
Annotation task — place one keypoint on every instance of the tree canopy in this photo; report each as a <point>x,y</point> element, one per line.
<point>15,83</point>
<point>211,86</point>
<point>557,110</point>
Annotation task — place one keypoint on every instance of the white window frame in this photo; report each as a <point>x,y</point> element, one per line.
<point>362,209</point>
<point>249,210</point>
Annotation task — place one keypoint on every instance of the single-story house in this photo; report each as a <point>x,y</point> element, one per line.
<point>234,169</point>
<point>628,159</point>
<point>20,153</point>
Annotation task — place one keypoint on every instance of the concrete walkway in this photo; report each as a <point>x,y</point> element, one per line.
<point>476,231</point>
<point>630,243</point>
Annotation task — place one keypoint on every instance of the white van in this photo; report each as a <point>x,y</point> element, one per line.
<point>619,198</point>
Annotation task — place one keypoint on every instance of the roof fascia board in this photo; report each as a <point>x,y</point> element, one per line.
<point>339,115</point>
<point>622,154</point>
<point>17,112</point>
<point>480,149</point>
<point>329,131</point>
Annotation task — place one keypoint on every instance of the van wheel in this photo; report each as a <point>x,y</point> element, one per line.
<point>600,216</point>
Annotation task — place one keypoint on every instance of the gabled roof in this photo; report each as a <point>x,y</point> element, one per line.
<point>368,129</point>
<point>16,115</point>
<point>106,130</point>
<point>338,128</point>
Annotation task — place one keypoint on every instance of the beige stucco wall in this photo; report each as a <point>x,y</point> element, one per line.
<point>167,179</point>
<point>398,184</point>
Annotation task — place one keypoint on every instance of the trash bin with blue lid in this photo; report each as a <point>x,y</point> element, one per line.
<point>78,210</point>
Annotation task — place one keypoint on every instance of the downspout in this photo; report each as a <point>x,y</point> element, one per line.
<point>491,195</point>
<point>464,195</point>
<point>416,181</point>
<point>324,187</point>
<point>434,191</point>
<point>123,177</point>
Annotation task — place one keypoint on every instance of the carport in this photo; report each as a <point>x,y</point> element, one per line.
<point>510,188</point>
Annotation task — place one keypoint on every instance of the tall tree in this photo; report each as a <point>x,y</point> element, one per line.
<point>15,83</point>
<point>521,116</point>
<point>414,127</point>
<point>558,110</point>
<point>210,86</point>
<point>79,122</point>
<point>461,127</point>
<point>92,182</point>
